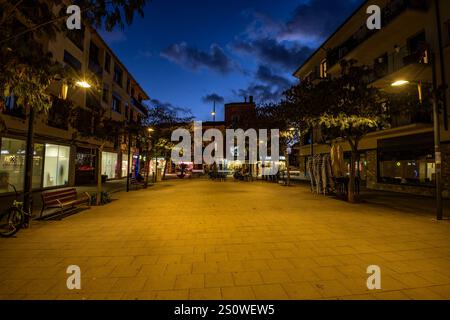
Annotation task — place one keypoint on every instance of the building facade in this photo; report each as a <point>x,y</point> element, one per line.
<point>413,32</point>
<point>65,152</point>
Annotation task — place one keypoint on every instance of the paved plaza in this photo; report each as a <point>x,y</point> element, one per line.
<point>198,239</point>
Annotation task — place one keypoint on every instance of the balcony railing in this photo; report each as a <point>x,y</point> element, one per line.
<point>139,105</point>
<point>58,115</point>
<point>95,68</point>
<point>398,60</point>
<point>388,14</point>
<point>11,108</point>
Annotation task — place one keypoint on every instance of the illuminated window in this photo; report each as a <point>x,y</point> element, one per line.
<point>323,69</point>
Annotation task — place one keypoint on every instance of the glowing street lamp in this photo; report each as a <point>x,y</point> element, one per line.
<point>83,84</point>
<point>399,83</point>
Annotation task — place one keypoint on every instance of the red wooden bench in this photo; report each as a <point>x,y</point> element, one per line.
<point>62,199</point>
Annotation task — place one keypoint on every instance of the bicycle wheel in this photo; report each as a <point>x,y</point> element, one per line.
<point>10,222</point>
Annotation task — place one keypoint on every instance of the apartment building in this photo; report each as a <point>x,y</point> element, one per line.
<point>401,158</point>
<point>64,155</point>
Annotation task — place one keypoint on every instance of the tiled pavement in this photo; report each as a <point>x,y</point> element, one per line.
<point>198,239</point>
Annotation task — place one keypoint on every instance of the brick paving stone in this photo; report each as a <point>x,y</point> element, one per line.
<point>230,241</point>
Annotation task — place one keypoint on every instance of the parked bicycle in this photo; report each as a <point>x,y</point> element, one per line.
<point>14,218</point>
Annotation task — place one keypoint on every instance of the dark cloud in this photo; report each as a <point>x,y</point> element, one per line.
<point>170,107</point>
<point>266,75</point>
<point>194,59</point>
<point>270,51</point>
<point>210,98</point>
<point>318,18</point>
<point>261,93</point>
<point>267,86</point>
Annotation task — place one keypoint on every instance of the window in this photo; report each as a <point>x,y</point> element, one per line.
<point>118,73</point>
<point>116,104</point>
<point>109,164</point>
<point>11,108</point>
<point>72,61</point>
<point>417,42</point>
<point>94,59</point>
<point>77,37</point>
<point>12,164</point>
<point>128,85</point>
<point>105,95</point>
<point>124,164</point>
<point>94,53</point>
<point>126,111</point>
<point>58,114</point>
<point>323,69</point>
<point>107,62</point>
<point>407,160</point>
<point>56,165</point>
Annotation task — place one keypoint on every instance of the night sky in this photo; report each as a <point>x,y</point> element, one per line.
<point>185,53</point>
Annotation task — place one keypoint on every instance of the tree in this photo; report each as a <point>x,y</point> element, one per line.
<point>163,120</point>
<point>27,69</point>
<point>343,107</point>
<point>280,116</point>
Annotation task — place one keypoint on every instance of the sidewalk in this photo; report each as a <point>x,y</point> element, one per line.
<point>408,203</point>
<point>112,186</point>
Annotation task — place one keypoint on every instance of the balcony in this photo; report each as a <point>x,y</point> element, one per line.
<point>11,108</point>
<point>402,65</point>
<point>139,105</point>
<point>389,14</point>
<point>58,115</point>
<point>313,77</point>
<point>95,68</point>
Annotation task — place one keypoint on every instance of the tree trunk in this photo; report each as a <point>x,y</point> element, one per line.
<point>99,175</point>
<point>129,162</point>
<point>28,183</point>
<point>351,184</point>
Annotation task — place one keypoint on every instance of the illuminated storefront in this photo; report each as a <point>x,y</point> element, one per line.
<point>50,165</point>
<point>109,164</point>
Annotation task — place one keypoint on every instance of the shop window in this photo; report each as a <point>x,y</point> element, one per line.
<point>407,163</point>
<point>109,164</point>
<point>38,165</point>
<point>84,166</point>
<point>12,164</point>
<point>124,164</point>
<point>56,165</point>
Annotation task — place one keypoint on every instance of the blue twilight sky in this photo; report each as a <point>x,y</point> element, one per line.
<point>186,53</point>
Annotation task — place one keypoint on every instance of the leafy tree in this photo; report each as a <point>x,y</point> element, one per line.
<point>342,107</point>
<point>162,121</point>
<point>280,116</point>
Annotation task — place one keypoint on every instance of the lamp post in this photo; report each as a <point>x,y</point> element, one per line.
<point>29,153</point>
<point>213,113</point>
<point>437,135</point>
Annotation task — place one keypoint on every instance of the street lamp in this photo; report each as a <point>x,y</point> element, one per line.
<point>83,84</point>
<point>399,83</point>
<point>437,135</point>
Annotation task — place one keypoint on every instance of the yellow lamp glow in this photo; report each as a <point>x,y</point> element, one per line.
<point>399,83</point>
<point>83,84</point>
